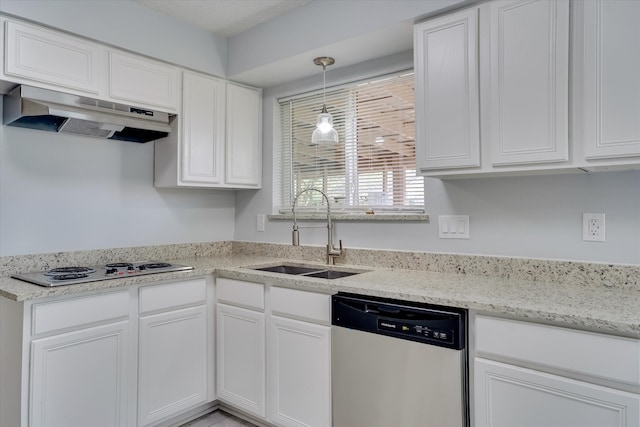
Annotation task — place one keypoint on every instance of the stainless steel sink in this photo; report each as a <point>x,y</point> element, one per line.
<point>331,274</point>
<point>289,269</point>
<point>308,271</point>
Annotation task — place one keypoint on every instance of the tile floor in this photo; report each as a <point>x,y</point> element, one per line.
<point>218,418</point>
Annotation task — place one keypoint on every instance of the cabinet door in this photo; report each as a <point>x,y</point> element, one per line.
<point>173,367</point>
<point>50,57</point>
<point>203,129</point>
<point>447,93</point>
<point>611,119</point>
<point>240,370</point>
<point>143,81</point>
<point>529,81</point>
<point>244,140</point>
<point>299,373</point>
<point>507,396</point>
<point>79,379</point>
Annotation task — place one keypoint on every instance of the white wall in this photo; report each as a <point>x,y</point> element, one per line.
<point>535,217</point>
<point>72,193</point>
<point>64,193</point>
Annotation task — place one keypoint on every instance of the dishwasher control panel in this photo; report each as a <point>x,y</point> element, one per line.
<point>418,330</point>
<point>425,323</point>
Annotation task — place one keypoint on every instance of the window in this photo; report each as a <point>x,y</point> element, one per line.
<point>373,166</point>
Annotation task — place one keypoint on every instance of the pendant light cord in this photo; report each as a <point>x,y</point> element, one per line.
<point>324,84</point>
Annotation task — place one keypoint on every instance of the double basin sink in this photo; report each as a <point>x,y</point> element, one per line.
<point>318,272</point>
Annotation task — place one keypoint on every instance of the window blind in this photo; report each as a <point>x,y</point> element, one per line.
<point>372,167</point>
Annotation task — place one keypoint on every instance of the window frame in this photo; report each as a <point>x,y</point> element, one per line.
<point>283,160</point>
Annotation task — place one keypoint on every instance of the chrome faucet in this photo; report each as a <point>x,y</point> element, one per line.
<point>332,252</point>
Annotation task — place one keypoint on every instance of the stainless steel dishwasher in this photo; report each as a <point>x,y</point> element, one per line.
<point>397,363</point>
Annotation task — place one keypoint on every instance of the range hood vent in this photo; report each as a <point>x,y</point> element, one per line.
<point>42,109</point>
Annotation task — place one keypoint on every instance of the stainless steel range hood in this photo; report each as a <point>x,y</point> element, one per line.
<point>52,111</point>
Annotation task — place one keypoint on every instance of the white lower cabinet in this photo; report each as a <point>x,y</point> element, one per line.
<point>175,360</point>
<point>241,358</point>
<point>240,345</point>
<point>143,356</point>
<point>79,378</point>
<point>274,353</point>
<point>299,373</point>
<point>173,363</point>
<point>79,365</point>
<point>508,395</point>
<point>553,377</point>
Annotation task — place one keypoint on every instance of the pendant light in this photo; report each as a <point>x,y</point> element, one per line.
<point>324,132</point>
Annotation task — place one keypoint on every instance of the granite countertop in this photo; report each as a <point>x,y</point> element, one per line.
<point>577,305</point>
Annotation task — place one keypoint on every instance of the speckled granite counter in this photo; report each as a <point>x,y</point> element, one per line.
<point>578,299</point>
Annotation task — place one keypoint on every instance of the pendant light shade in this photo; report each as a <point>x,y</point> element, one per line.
<point>324,132</point>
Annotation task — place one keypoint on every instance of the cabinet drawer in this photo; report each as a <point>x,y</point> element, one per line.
<point>77,312</point>
<point>297,303</point>
<point>170,295</point>
<point>247,294</point>
<point>593,354</point>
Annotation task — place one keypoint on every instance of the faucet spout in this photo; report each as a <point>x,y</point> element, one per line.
<point>332,252</point>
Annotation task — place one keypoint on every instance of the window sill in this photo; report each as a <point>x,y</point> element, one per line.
<point>356,217</point>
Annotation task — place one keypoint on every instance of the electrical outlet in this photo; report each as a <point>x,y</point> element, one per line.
<point>593,229</point>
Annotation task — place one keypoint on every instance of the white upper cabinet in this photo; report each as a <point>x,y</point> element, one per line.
<point>537,61</point>
<point>216,141</point>
<point>244,141</point>
<point>492,89</point>
<point>35,55</point>
<point>447,91</point>
<point>611,87</point>
<point>202,148</point>
<point>529,81</point>
<point>143,81</point>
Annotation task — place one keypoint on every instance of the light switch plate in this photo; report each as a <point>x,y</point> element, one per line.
<point>260,219</point>
<point>453,226</point>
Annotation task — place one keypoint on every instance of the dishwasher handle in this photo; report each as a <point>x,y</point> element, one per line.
<point>374,308</point>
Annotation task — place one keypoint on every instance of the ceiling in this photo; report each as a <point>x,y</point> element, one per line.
<point>224,18</point>
<point>254,27</point>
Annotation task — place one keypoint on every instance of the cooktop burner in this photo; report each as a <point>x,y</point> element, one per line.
<point>65,271</point>
<point>115,270</point>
